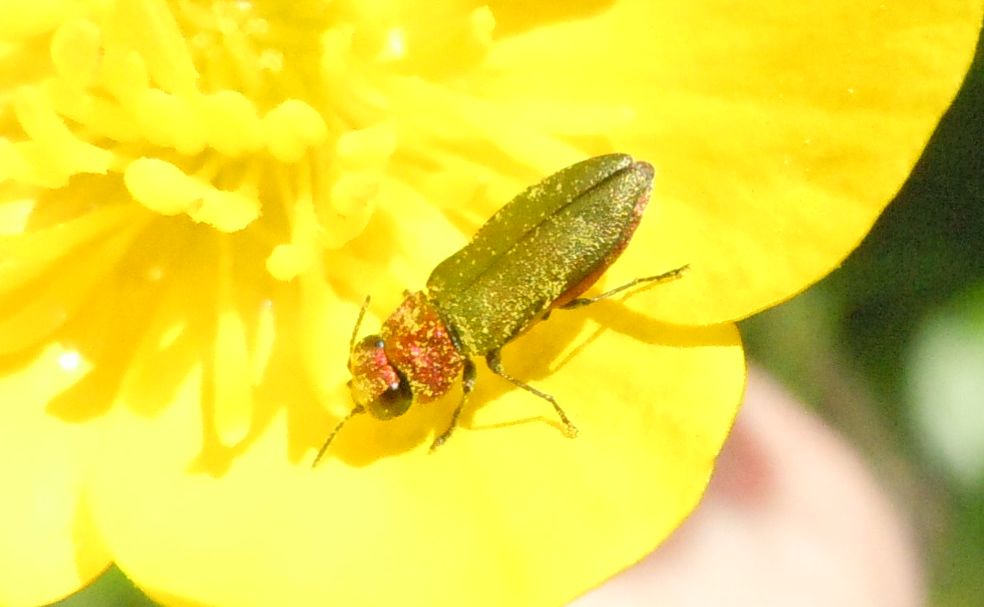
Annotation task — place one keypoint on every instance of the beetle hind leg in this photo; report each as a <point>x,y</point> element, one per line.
<point>664,277</point>
<point>495,364</point>
<point>467,383</point>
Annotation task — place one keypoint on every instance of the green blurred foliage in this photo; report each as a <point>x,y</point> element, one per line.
<point>111,589</point>
<point>846,345</point>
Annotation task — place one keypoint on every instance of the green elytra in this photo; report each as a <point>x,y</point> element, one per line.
<point>537,253</point>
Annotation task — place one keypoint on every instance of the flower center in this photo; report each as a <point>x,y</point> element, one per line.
<point>274,120</point>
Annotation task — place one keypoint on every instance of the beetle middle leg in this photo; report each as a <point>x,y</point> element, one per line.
<point>467,383</point>
<point>665,276</point>
<point>495,364</point>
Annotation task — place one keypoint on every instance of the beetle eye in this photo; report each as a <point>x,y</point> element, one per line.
<point>393,402</point>
<point>376,384</point>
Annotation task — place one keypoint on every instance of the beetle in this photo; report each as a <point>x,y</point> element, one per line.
<point>538,253</point>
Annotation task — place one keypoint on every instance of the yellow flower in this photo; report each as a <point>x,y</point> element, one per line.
<point>194,197</point>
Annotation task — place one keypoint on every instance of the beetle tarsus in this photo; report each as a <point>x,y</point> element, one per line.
<point>495,364</point>
<point>658,278</point>
<point>467,383</point>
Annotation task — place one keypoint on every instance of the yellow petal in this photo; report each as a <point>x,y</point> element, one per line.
<point>44,305</point>
<point>551,516</point>
<point>326,155</point>
<point>779,131</point>
<point>233,389</point>
<point>48,544</point>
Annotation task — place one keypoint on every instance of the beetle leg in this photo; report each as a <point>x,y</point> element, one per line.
<point>495,364</point>
<point>467,383</point>
<point>665,276</point>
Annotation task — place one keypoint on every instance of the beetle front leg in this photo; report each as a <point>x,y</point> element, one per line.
<point>495,364</point>
<point>467,383</point>
<point>665,276</point>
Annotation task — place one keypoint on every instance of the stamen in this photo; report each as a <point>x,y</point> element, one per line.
<point>291,128</point>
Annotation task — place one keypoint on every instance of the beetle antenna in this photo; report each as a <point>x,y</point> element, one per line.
<point>357,410</point>
<point>331,436</point>
<point>358,323</point>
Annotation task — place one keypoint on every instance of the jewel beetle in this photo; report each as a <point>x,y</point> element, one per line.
<point>538,253</point>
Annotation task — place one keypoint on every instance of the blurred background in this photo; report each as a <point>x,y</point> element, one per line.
<point>890,350</point>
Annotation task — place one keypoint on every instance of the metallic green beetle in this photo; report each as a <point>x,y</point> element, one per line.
<point>538,253</point>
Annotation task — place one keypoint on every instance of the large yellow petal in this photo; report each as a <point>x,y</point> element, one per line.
<point>48,543</point>
<point>779,131</point>
<point>509,511</point>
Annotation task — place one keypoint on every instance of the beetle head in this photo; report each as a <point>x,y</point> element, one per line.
<point>377,386</point>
